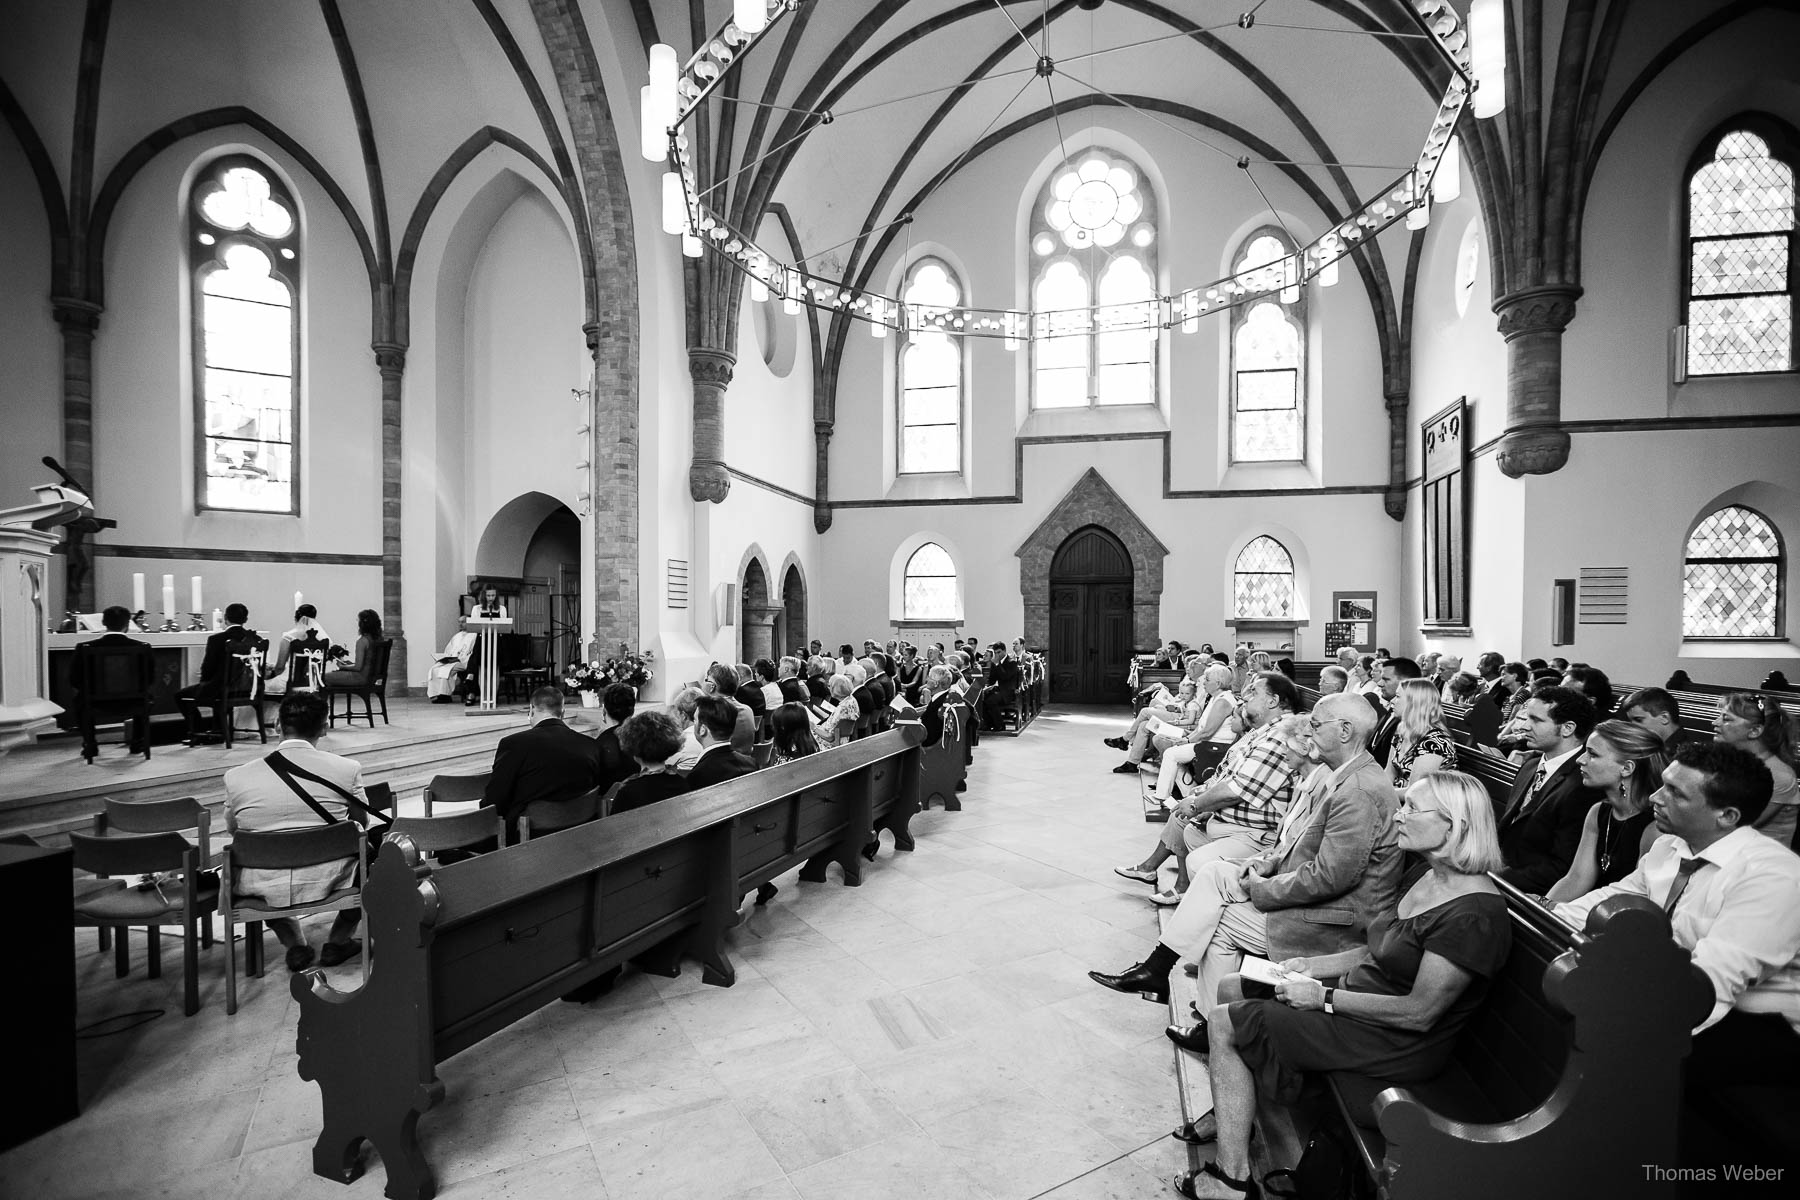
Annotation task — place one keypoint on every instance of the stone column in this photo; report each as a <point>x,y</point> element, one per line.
<point>1399,400</point>
<point>1532,322</point>
<point>78,320</point>
<point>390,361</point>
<point>759,631</point>
<point>711,369</point>
<point>822,476</point>
<point>613,451</point>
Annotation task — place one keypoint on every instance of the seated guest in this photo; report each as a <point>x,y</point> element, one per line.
<point>1540,827</point>
<point>1423,743</point>
<point>1487,671</point>
<point>868,699</point>
<point>1165,723</point>
<point>116,620</point>
<point>935,695</point>
<point>1626,762</point>
<point>1203,746</point>
<point>649,740</point>
<point>721,681</point>
<point>839,727</point>
<point>846,656</point>
<point>356,674</point>
<point>1363,679</point>
<point>1333,680</point>
<point>681,711</point>
<point>1401,1002</point>
<point>1003,679</point>
<point>748,692</point>
<point>1346,659</point>
<point>715,720</point>
<point>788,683</point>
<point>1513,689</point>
<point>766,673</point>
<point>218,665</point>
<point>548,762</point>
<point>793,733</point>
<point>280,665</point>
<point>1481,716</point>
<point>1393,672</point>
<point>1237,813</point>
<point>1449,666</point>
<point>1335,868</point>
<point>909,673</point>
<point>452,664</point>
<point>298,786</point>
<point>1733,899</point>
<point>1756,724</point>
<point>1462,689</point>
<point>616,706</point>
<point>818,678</point>
<point>1560,665</point>
<point>1657,711</point>
<point>1592,683</point>
<point>1428,667</point>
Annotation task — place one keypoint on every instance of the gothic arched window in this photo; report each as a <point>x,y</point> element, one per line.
<point>244,255</point>
<point>931,375</point>
<point>1093,285</point>
<point>930,585</point>
<point>1263,580</point>
<point>1740,229</point>
<point>1268,358</point>
<point>1731,585</point>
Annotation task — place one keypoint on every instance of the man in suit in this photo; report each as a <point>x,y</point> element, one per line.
<point>1002,685</point>
<point>1393,672</point>
<point>1487,669</point>
<point>788,682</point>
<point>215,667</point>
<point>1657,711</point>
<point>1540,827</point>
<point>548,761</point>
<point>260,799</point>
<point>1449,666</point>
<point>714,722</point>
<point>749,693</point>
<point>722,681</point>
<point>116,619</point>
<point>616,766</point>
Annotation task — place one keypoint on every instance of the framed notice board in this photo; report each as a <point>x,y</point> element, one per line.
<point>1351,622</point>
<point>1445,509</point>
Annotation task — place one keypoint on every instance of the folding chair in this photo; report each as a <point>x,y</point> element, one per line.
<point>285,850</point>
<point>161,816</point>
<point>173,898</point>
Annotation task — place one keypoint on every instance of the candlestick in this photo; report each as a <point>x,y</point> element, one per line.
<point>137,592</point>
<point>196,606</point>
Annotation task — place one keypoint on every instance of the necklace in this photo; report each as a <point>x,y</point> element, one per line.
<point>1607,847</point>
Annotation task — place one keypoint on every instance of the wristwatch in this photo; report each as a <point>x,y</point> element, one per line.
<point>1329,993</point>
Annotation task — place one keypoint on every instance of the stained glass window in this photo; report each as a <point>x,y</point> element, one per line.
<point>1263,580</point>
<point>1740,302</point>
<point>930,585</point>
<point>931,375</point>
<point>1732,586</point>
<point>1268,340</point>
<point>244,254</point>
<point>1093,292</point>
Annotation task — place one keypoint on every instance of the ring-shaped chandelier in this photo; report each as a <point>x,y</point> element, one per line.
<point>1475,52</point>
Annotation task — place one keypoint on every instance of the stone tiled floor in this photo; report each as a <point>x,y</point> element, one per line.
<point>931,1033</point>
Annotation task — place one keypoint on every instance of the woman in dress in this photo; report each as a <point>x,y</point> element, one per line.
<point>368,633</point>
<point>654,740</point>
<point>1398,1004</point>
<point>1626,762</point>
<point>839,728</point>
<point>793,733</point>
<point>282,672</point>
<point>909,673</point>
<point>1756,723</point>
<point>1423,744</point>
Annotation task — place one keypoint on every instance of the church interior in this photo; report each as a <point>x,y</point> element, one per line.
<point>717,331</point>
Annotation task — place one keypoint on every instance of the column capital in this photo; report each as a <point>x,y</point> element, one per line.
<point>709,480</point>
<point>75,315</point>
<point>709,365</point>
<point>390,358</point>
<point>1545,309</point>
<point>1532,450</point>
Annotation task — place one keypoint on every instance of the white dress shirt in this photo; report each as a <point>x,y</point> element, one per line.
<point>1740,916</point>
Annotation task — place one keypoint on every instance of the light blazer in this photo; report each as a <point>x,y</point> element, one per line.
<point>1343,869</point>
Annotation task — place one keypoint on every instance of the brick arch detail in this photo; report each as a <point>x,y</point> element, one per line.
<point>1092,501</point>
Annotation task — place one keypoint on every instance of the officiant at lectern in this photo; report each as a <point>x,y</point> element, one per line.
<point>489,620</point>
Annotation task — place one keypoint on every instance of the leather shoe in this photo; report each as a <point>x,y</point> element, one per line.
<point>1137,873</point>
<point>1117,743</point>
<point>1191,1038</point>
<point>1137,978</point>
<point>299,957</point>
<point>1126,768</point>
<point>334,953</point>
<point>766,892</point>
<point>1168,899</point>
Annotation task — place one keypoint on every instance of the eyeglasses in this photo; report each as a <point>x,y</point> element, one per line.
<point>1412,810</point>
<point>1315,724</point>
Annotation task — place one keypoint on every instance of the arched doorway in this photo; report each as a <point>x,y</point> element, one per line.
<point>793,602</point>
<point>1090,617</point>
<point>531,551</point>
<point>756,622</point>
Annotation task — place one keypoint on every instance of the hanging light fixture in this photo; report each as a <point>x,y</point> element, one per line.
<point>1419,215</point>
<point>674,204</point>
<point>751,16</point>
<point>1446,185</point>
<point>653,133</point>
<point>1487,48</point>
<point>692,246</point>
<point>1328,274</point>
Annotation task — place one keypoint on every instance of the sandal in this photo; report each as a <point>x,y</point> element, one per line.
<point>1184,1184</point>
<point>1187,1134</point>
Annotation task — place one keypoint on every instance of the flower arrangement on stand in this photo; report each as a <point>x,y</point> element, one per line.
<point>589,679</point>
<point>586,680</point>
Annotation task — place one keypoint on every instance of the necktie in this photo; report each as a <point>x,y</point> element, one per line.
<point>1537,781</point>
<point>1682,878</point>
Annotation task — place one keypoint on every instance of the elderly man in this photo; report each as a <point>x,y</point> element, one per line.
<point>1335,866</point>
<point>1239,811</point>
<point>721,681</point>
<point>1449,666</point>
<point>1333,680</point>
<point>1346,658</point>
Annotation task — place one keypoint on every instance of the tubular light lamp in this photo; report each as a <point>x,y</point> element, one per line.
<point>1487,49</point>
<point>1446,184</point>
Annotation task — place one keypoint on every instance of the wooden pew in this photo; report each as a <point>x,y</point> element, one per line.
<point>462,952</point>
<point>1566,1081</point>
<point>945,766</point>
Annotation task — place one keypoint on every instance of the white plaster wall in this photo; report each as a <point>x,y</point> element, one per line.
<point>30,367</point>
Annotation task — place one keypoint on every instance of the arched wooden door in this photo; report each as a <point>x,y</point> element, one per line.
<point>1090,618</point>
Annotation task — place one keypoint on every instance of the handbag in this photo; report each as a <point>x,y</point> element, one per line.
<point>1327,1170</point>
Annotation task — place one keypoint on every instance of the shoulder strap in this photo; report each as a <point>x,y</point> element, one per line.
<point>286,771</point>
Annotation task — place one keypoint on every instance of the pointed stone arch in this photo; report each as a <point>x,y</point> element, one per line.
<point>1092,501</point>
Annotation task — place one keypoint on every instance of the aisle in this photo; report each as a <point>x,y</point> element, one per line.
<point>931,1034</point>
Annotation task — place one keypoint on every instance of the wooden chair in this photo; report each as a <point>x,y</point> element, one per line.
<point>380,796</point>
<point>247,673</point>
<point>286,850</point>
<point>113,688</point>
<point>521,670</point>
<point>374,689</point>
<point>176,898</point>
<point>455,789</point>
<point>548,816</point>
<point>161,816</point>
<point>433,835</point>
<point>306,663</point>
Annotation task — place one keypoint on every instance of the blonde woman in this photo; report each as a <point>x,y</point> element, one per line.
<point>1423,744</point>
<point>839,729</point>
<point>1754,722</point>
<point>1626,762</point>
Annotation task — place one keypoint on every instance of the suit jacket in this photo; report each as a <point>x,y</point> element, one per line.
<point>1483,721</point>
<point>1343,870</point>
<point>933,717</point>
<point>1004,677</point>
<point>549,761</point>
<point>866,704</point>
<point>743,734</point>
<point>718,764</point>
<point>640,790</point>
<point>818,688</point>
<point>1386,730</point>
<point>792,690</point>
<point>107,641</point>
<point>615,765</point>
<point>751,695</point>
<point>219,649</point>
<point>1539,840</point>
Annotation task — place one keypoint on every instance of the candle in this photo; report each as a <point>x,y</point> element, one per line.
<point>137,592</point>
<point>196,605</point>
<point>298,599</point>
<point>168,597</point>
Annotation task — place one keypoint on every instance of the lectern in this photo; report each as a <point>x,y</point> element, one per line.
<point>489,628</point>
<point>27,536</point>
